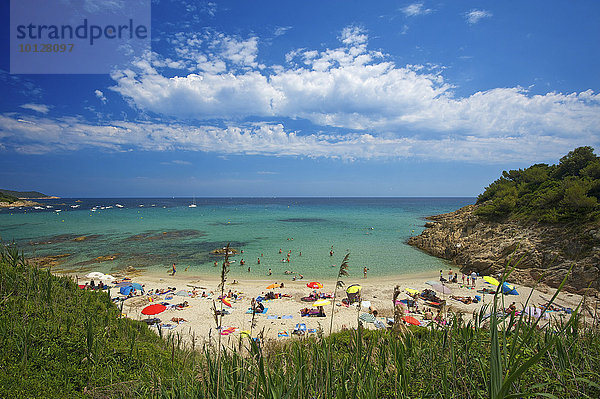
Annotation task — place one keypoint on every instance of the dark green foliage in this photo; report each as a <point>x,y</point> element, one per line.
<point>59,341</point>
<point>7,198</point>
<point>569,191</point>
<point>22,194</point>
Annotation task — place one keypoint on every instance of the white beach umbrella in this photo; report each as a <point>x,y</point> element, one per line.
<point>95,275</point>
<point>107,278</point>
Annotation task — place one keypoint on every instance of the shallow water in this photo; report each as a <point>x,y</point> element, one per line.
<point>151,234</point>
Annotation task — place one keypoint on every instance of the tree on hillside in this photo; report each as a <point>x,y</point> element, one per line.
<point>576,160</point>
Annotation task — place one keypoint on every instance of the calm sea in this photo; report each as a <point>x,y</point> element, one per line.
<point>153,233</point>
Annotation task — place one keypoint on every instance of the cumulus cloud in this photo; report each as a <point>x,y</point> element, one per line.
<point>415,9</point>
<point>41,108</point>
<point>475,16</point>
<point>101,96</point>
<point>41,135</point>
<point>348,87</point>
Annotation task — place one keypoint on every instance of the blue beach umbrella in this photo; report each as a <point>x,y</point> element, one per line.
<point>137,286</point>
<point>509,289</point>
<point>126,290</point>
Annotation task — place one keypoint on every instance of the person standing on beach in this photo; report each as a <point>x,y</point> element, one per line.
<point>365,271</point>
<point>473,278</point>
<point>174,270</point>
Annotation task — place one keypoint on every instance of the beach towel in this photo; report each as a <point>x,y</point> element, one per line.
<point>168,326</point>
<point>272,316</point>
<point>312,331</point>
<point>379,324</point>
<point>283,334</point>
<point>367,318</point>
<point>287,317</point>
<point>249,311</point>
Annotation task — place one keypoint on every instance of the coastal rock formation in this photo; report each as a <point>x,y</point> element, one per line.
<point>540,251</point>
<point>19,203</point>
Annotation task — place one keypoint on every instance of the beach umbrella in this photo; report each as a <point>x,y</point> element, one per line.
<point>182,293</point>
<point>432,283</point>
<point>107,278</point>
<point>154,309</point>
<point>411,320</point>
<point>353,289</point>
<point>95,275</point>
<point>491,280</point>
<point>123,284</point>
<point>411,291</point>
<point>137,286</point>
<point>126,290</point>
<point>509,289</point>
<point>367,318</point>
<point>321,302</point>
<point>273,286</point>
<point>226,302</point>
<point>314,285</point>
<point>442,289</point>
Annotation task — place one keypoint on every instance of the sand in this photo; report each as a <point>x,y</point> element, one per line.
<point>200,322</point>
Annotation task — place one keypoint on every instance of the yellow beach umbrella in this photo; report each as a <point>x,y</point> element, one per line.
<point>411,290</point>
<point>491,280</point>
<point>322,302</point>
<point>353,289</point>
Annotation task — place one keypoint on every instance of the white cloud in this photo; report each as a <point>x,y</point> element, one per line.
<point>475,16</point>
<point>101,96</point>
<point>281,30</point>
<point>42,135</point>
<point>41,108</point>
<point>180,162</point>
<point>350,87</point>
<point>415,9</point>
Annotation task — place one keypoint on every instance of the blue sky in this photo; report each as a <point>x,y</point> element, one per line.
<point>336,98</point>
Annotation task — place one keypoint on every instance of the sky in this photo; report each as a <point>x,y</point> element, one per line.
<point>311,98</point>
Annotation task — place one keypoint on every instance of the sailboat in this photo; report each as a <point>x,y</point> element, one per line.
<point>193,205</point>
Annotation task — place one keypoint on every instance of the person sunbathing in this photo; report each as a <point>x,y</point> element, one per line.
<point>464,299</point>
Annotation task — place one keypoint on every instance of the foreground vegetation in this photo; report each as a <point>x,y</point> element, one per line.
<point>8,198</point>
<point>567,191</point>
<point>60,341</point>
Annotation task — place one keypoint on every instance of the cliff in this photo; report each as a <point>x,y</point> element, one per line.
<point>545,251</point>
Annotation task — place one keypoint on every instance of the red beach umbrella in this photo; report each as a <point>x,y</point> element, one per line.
<point>226,301</point>
<point>154,309</point>
<point>411,320</point>
<point>314,285</point>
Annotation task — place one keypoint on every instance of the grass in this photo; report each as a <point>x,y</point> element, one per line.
<point>60,341</point>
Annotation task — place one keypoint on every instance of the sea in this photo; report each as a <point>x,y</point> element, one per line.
<point>150,234</point>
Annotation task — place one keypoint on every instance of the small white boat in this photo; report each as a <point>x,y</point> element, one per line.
<point>193,204</point>
<point>119,205</point>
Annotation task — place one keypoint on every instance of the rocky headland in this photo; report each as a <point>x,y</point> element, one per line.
<point>541,251</point>
<point>17,204</point>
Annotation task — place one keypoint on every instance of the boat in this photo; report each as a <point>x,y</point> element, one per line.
<point>193,204</point>
<point>119,205</point>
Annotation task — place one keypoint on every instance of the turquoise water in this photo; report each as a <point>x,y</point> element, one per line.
<point>151,234</point>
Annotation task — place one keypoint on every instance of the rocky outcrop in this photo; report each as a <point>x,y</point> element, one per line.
<point>539,251</point>
<point>17,204</point>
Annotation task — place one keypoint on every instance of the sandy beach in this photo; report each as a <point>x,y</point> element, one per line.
<point>282,315</point>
